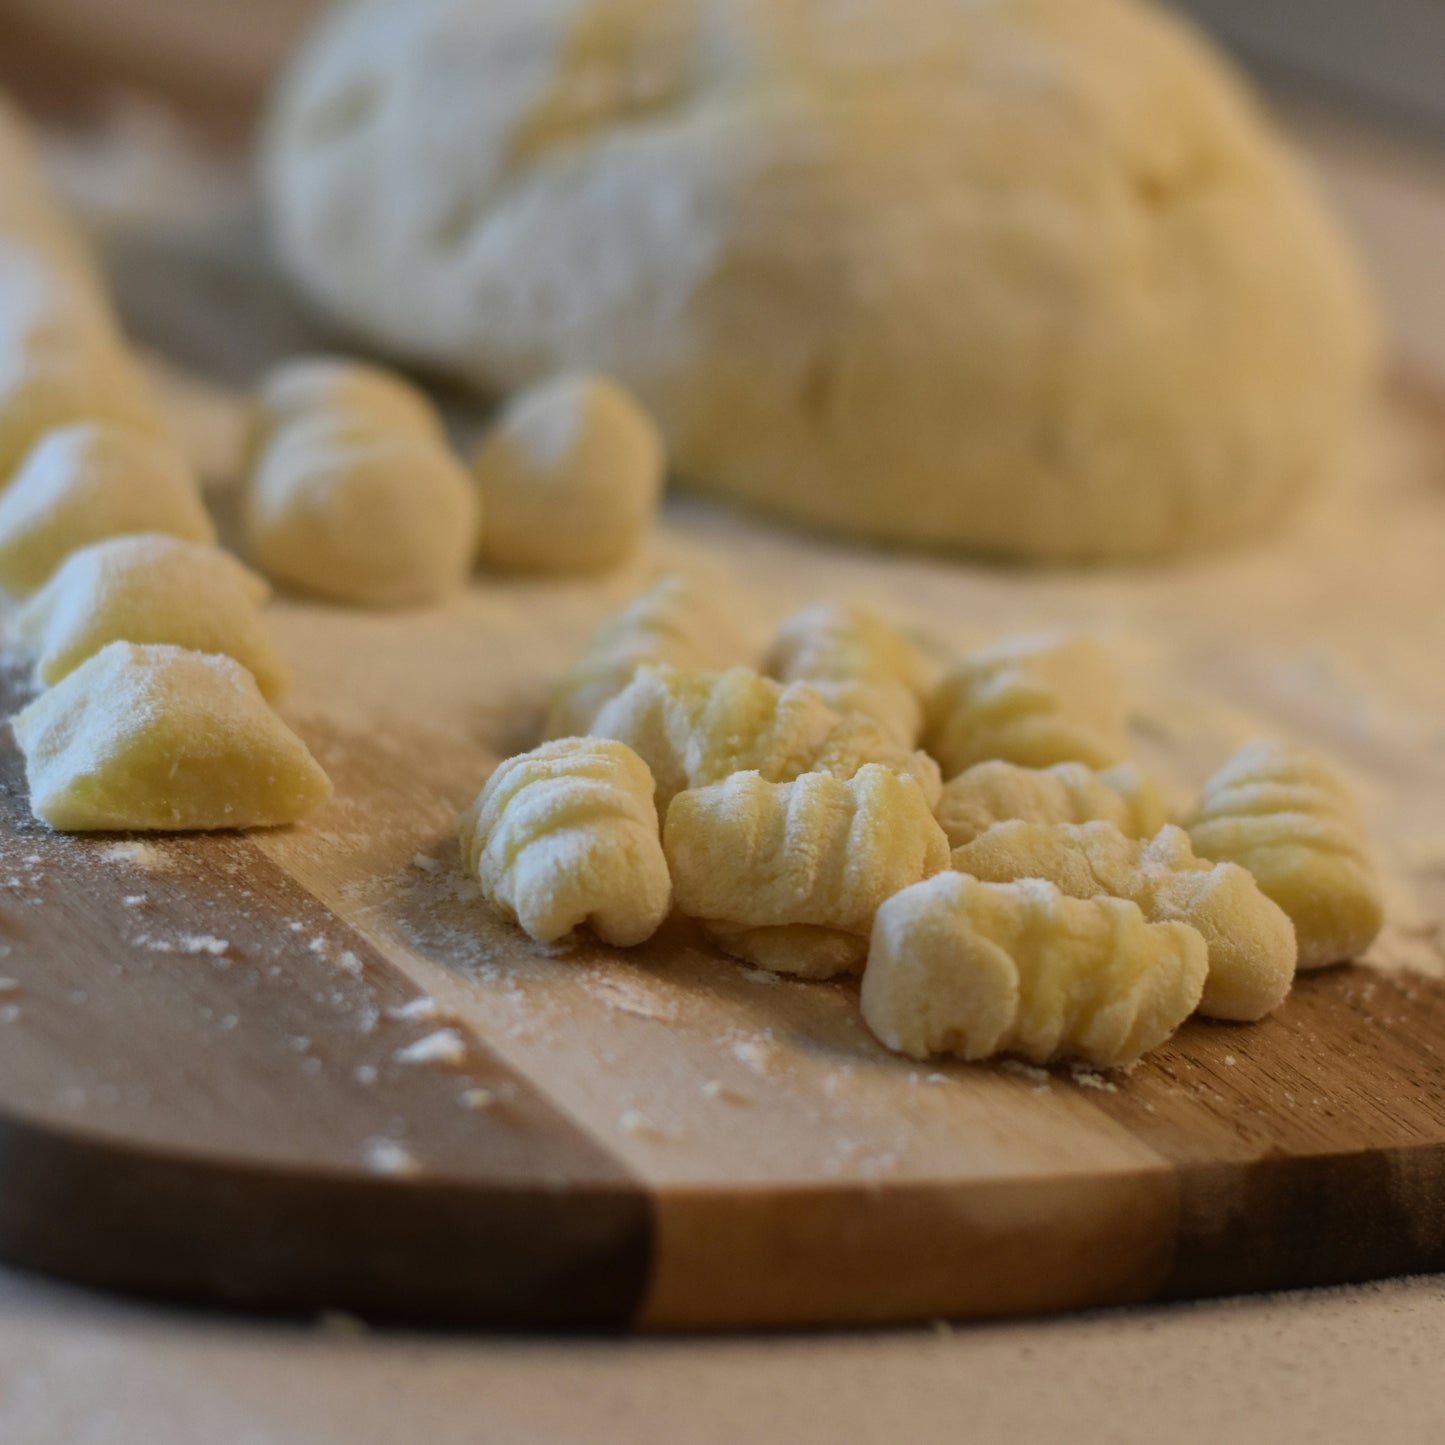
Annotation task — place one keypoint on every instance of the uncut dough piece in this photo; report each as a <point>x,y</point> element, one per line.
<point>1026,276</point>
<point>570,477</point>
<point>1280,812</point>
<point>857,662</point>
<point>163,739</point>
<point>998,792</point>
<point>697,728</point>
<point>149,588</point>
<point>675,621</point>
<point>385,518</point>
<point>1250,939</point>
<point>1034,702</point>
<point>88,482</point>
<point>371,397</point>
<point>789,875</point>
<point>976,969</point>
<point>567,836</point>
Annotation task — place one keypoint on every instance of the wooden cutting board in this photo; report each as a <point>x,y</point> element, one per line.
<point>209,1088</point>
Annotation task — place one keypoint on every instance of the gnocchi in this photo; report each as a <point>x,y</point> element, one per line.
<point>696,728</point>
<point>1034,702</point>
<point>1280,812</point>
<point>567,835</point>
<point>149,588</point>
<point>998,792</point>
<point>675,621</point>
<point>857,663</point>
<point>1250,941</point>
<point>368,513</point>
<point>84,483</point>
<point>964,967</point>
<point>789,875</point>
<point>162,738</point>
<point>570,477</point>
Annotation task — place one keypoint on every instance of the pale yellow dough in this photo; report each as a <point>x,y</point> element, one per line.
<point>675,621</point>
<point>956,966</point>
<point>87,482</point>
<point>361,511</point>
<point>1250,940</point>
<point>1034,702</point>
<point>161,738</point>
<point>1022,276</point>
<point>570,477</point>
<point>1280,812</point>
<point>857,662</point>
<point>371,397</point>
<point>998,792</point>
<point>149,588</point>
<point>696,728</point>
<point>567,836</point>
<point>789,875</point>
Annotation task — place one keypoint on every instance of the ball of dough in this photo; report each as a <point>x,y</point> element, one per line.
<point>570,477</point>
<point>383,520</point>
<point>1025,276</point>
<point>371,396</point>
<point>149,589</point>
<point>87,482</point>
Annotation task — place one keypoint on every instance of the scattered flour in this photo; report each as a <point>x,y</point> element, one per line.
<point>445,1048</point>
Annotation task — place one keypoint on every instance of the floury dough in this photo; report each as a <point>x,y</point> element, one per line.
<point>1019,276</point>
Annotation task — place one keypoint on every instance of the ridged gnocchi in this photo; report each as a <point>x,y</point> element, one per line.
<point>857,662</point>
<point>1251,943</point>
<point>963,967</point>
<point>570,477</point>
<point>566,836</point>
<point>87,482</point>
<point>789,875</point>
<point>358,499</point>
<point>163,738</point>
<point>696,728</point>
<point>145,589</point>
<point>1279,811</point>
<point>1034,702</point>
<point>675,621</point>
<point>998,792</point>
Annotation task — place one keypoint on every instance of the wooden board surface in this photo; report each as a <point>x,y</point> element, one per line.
<point>204,1091</point>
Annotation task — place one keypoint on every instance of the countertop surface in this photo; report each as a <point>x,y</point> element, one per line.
<point>1326,1366</point>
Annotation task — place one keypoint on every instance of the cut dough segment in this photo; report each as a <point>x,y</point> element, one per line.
<point>1280,812</point>
<point>975,969</point>
<point>384,518</point>
<point>675,621</point>
<point>1034,702</point>
<point>87,482</point>
<point>162,739</point>
<point>696,728</point>
<point>567,835</point>
<point>146,589</point>
<point>789,875</point>
<point>998,792</point>
<point>371,398</point>
<point>570,477</point>
<point>857,662</point>
<point>1251,941</point>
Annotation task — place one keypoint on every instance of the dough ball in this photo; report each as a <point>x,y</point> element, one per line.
<point>149,588</point>
<point>87,482</point>
<point>1025,276</point>
<point>162,738</point>
<point>570,477</point>
<point>371,396</point>
<point>382,520</point>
